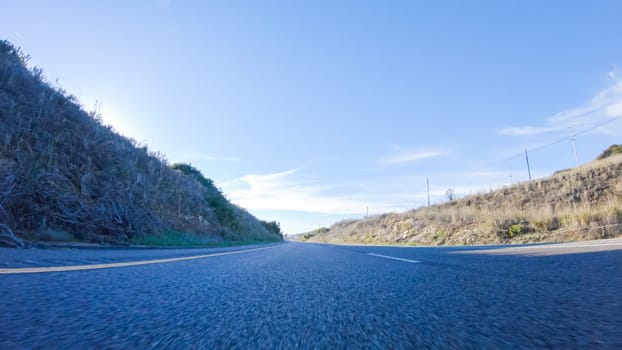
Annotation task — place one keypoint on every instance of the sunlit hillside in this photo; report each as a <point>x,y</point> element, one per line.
<point>65,176</point>
<point>581,203</point>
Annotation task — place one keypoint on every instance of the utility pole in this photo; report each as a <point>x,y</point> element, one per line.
<point>428,182</point>
<point>574,146</point>
<point>528,167</point>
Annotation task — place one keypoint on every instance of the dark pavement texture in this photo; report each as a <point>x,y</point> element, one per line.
<point>313,296</point>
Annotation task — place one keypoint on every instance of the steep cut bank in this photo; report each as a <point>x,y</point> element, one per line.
<point>577,204</point>
<point>65,176</point>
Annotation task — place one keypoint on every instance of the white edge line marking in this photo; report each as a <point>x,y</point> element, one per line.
<point>536,247</point>
<point>121,264</point>
<point>571,245</point>
<point>394,258</point>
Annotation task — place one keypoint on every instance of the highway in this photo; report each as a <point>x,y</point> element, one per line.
<point>297,295</point>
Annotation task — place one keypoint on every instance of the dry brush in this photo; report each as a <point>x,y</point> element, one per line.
<point>61,169</point>
<point>581,203</point>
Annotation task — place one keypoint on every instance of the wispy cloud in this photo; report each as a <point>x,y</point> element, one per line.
<point>605,105</point>
<point>290,191</point>
<point>404,157</point>
<point>267,182</point>
<point>286,191</point>
<point>528,130</point>
<point>615,110</point>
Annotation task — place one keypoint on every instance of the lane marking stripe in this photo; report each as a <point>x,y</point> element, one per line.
<point>120,264</point>
<point>572,245</point>
<point>539,247</point>
<point>394,258</point>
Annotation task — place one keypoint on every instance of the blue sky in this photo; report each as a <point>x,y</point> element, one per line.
<point>310,112</point>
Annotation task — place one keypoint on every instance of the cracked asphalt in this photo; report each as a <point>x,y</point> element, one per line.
<point>296,295</point>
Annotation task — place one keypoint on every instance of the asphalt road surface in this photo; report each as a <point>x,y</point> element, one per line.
<point>296,295</point>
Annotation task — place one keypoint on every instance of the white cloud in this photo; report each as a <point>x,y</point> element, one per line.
<point>405,157</point>
<point>285,191</point>
<point>288,192</point>
<point>604,105</point>
<point>615,110</point>
<point>527,130</point>
<point>260,183</point>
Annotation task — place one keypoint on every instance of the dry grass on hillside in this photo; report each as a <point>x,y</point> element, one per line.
<point>583,203</point>
<point>61,170</point>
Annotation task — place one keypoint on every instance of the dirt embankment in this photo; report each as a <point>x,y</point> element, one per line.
<point>578,204</point>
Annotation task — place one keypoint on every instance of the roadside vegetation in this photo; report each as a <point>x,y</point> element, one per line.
<point>63,174</point>
<point>186,239</point>
<point>307,235</point>
<point>611,151</point>
<point>236,223</point>
<point>573,204</point>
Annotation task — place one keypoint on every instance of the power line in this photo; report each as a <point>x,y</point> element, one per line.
<point>563,139</point>
<point>597,126</point>
<point>524,154</point>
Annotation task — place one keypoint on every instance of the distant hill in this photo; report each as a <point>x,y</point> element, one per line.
<point>581,203</point>
<point>65,176</point>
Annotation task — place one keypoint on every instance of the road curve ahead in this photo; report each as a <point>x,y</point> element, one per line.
<point>297,295</point>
